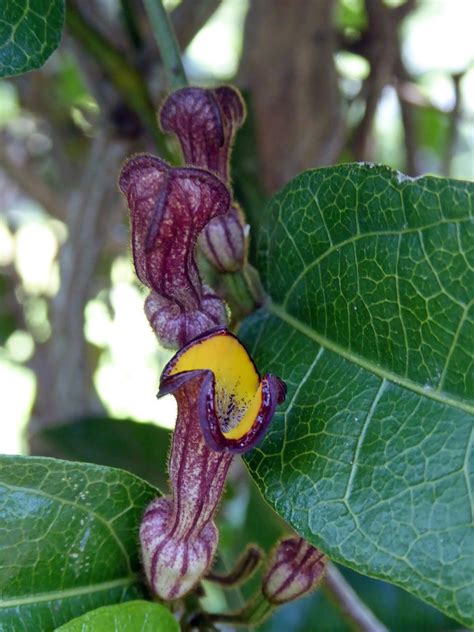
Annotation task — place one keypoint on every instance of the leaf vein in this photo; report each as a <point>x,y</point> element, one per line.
<point>280,312</point>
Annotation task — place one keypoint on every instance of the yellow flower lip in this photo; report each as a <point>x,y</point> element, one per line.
<point>235,403</point>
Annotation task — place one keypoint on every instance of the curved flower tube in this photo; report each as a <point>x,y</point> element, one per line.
<point>205,122</point>
<point>169,207</point>
<point>178,535</point>
<point>295,568</point>
<point>224,407</point>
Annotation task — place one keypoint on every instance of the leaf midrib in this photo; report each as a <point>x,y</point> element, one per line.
<point>441,397</point>
<point>68,593</point>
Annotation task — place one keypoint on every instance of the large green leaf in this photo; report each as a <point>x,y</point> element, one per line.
<point>139,448</point>
<point>394,607</point>
<point>29,33</point>
<point>134,616</point>
<point>68,540</point>
<point>371,324</point>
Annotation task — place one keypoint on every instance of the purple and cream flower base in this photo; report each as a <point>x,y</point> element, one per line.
<point>224,408</point>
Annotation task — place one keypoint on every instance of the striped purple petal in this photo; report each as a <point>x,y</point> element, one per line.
<point>169,207</point>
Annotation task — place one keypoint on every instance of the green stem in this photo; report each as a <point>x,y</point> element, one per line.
<point>243,569</point>
<point>359,617</point>
<point>125,77</point>
<point>130,23</point>
<point>243,291</point>
<point>166,40</point>
<point>252,614</point>
<point>238,295</point>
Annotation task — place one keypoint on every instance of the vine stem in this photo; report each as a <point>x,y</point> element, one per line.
<point>128,82</point>
<point>167,43</point>
<point>356,613</point>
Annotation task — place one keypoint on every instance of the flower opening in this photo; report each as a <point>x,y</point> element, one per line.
<point>235,404</point>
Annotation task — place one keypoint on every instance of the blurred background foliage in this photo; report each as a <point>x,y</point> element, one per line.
<point>326,81</point>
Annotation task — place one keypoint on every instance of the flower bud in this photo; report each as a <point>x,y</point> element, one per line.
<point>295,568</point>
<point>169,207</point>
<point>223,241</point>
<point>205,122</point>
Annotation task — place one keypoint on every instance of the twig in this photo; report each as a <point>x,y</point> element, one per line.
<point>409,130</point>
<point>130,23</point>
<point>242,570</point>
<point>453,126</point>
<point>381,47</point>
<point>166,40</point>
<point>357,614</point>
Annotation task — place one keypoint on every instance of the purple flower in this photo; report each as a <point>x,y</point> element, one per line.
<point>224,408</point>
<point>295,568</point>
<point>169,207</point>
<point>205,122</point>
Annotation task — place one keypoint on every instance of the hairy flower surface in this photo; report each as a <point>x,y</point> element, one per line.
<point>169,207</point>
<point>295,568</point>
<point>224,407</point>
<point>205,122</point>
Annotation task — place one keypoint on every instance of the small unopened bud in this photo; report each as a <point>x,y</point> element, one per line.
<point>223,241</point>
<point>295,568</point>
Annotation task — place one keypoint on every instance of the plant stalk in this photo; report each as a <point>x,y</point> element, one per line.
<point>356,613</point>
<point>167,43</point>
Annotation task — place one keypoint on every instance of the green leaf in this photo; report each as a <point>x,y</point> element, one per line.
<point>29,33</point>
<point>371,323</point>
<point>68,540</point>
<point>134,616</point>
<point>136,447</point>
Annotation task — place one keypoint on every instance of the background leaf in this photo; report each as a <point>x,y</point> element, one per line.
<point>29,33</point>
<point>135,616</point>
<point>139,448</point>
<point>371,324</point>
<point>69,540</point>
